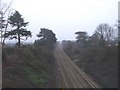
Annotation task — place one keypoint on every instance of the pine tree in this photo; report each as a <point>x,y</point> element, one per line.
<point>18,31</point>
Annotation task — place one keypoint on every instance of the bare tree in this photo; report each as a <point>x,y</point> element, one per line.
<point>6,28</point>
<point>4,15</point>
<point>105,33</point>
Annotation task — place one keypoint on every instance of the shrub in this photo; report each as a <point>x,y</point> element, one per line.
<point>6,51</point>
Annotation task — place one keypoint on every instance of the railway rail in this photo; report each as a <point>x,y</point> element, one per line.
<point>72,75</point>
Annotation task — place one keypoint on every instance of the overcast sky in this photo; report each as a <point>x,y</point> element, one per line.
<point>65,17</point>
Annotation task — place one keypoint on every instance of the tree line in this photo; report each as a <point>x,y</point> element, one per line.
<point>103,35</point>
<point>18,31</point>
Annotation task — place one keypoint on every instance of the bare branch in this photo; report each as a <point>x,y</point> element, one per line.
<point>7,8</point>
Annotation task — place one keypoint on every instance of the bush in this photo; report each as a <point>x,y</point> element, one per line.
<point>6,51</point>
<point>3,54</point>
<point>28,63</point>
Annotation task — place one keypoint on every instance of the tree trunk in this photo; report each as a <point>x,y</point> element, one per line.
<point>18,28</point>
<point>19,44</point>
<point>3,41</point>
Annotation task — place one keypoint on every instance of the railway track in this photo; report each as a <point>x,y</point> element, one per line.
<point>72,75</point>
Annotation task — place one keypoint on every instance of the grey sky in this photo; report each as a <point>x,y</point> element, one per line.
<point>65,17</point>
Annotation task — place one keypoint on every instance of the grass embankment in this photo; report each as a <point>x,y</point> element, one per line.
<point>100,63</point>
<point>27,67</point>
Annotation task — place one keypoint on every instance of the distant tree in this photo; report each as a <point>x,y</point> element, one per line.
<point>94,40</point>
<point>82,38</point>
<point>47,37</point>
<point>17,22</point>
<point>104,32</point>
<point>118,31</point>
